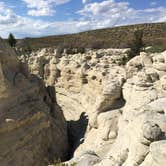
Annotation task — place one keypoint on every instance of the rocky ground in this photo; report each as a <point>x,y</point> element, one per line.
<point>116,113</point>
<point>90,109</point>
<point>33,130</point>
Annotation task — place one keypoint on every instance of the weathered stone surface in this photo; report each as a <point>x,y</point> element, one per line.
<point>151,131</point>
<point>32,127</point>
<point>157,154</point>
<point>122,107</point>
<point>87,83</point>
<point>88,158</point>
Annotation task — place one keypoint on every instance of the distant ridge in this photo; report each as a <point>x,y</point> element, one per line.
<point>116,37</point>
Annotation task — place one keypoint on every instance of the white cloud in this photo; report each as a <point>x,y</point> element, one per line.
<point>94,15</point>
<point>103,8</point>
<point>85,1</point>
<point>43,7</point>
<point>106,13</point>
<point>153,3</point>
<point>6,15</point>
<point>24,26</point>
<point>110,13</point>
<point>46,11</point>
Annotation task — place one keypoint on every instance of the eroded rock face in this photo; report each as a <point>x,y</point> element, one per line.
<point>123,106</point>
<point>157,154</point>
<point>90,83</point>
<point>32,127</point>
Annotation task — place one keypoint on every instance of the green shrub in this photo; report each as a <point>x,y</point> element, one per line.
<point>155,49</point>
<point>70,48</point>
<point>137,44</point>
<point>123,61</point>
<point>60,50</point>
<point>96,44</point>
<point>11,40</point>
<point>75,50</point>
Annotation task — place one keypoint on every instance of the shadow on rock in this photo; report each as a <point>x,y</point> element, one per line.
<point>76,132</point>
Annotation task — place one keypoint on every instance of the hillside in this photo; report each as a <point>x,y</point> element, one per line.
<point>117,37</point>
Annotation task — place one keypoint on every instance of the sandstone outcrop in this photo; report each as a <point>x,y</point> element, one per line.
<point>32,127</point>
<point>119,109</point>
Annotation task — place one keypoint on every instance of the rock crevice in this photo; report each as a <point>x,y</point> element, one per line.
<point>124,104</point>
<point>29,135</point>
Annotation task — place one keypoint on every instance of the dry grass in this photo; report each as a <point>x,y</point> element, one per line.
<point>118,37</point>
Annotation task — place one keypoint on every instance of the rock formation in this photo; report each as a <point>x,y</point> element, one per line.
<point>32,126</point>
<point>116,113</point>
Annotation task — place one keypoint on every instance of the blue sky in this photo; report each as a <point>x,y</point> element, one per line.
<point>31,18</point>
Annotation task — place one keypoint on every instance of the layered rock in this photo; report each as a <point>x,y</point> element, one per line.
<point>91,77</point>
<point>143,121</point>
<point>119,109</point>
<point>90,83</point>
<point>32,127</point>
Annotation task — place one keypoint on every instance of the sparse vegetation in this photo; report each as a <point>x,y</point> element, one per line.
<point>117,37</point>
<point>137,44</point>
<point>11,40</point>
<point>70,48</point>
<point>96,44</point>
<point>123,61</point>
<point>59,163</point>
<point>25,46</point>
<point>63,164</point>
<point>60,50</point>
<point>155,49</point>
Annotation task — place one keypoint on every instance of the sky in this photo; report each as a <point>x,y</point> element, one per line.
<point>35,18</point>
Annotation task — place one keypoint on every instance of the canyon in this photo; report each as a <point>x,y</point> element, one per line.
<point>88,108</point>
<point>115,112</point>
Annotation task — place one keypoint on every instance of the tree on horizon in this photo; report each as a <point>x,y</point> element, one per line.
<point>11,40</point>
